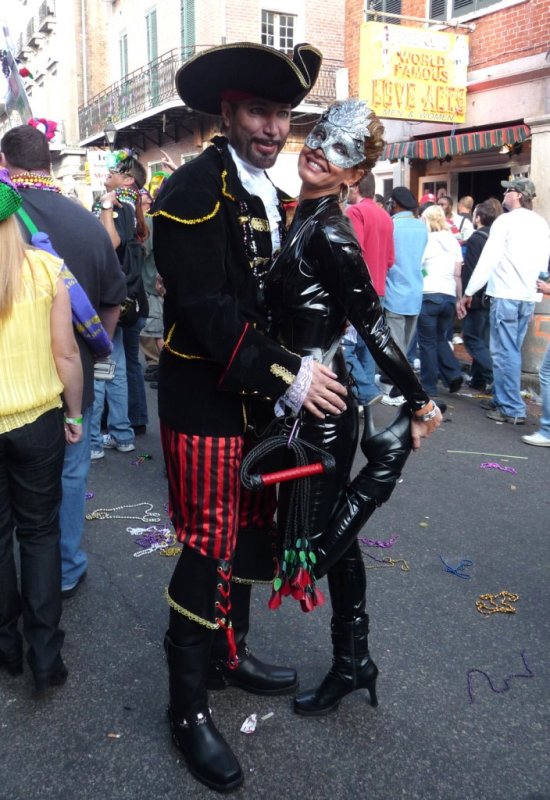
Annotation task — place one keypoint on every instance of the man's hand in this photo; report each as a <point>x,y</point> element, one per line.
<point>463,305</point>
<point>325,393</point>
<point>543,286</point>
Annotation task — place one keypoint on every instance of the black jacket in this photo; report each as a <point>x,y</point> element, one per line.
<point>212,247</point>
<point>474,246</point>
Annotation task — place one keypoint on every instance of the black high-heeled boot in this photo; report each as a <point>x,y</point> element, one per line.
<point>251,674</point>
<point>386,452</point>
<point>352,667</point>
<point>207,754</point>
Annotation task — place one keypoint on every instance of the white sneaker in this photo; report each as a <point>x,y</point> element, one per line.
<point>537,439</point>
<point>112,444</point>
<point>393,401</point>
<point>95,455</point>
<point>385,388</point>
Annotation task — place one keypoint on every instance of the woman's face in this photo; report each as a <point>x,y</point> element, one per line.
<point>319,177</point>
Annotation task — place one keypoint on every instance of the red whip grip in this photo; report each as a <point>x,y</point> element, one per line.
<point>292,474</point>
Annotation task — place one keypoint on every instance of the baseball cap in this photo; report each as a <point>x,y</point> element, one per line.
<point>522,185</point>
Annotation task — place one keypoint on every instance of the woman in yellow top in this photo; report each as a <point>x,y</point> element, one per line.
<point>39,360</point>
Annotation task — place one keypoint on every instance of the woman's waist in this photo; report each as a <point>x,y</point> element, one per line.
<point>310,336</point>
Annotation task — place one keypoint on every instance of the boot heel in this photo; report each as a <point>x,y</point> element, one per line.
<point>371,688</point>
<point>369,682</point>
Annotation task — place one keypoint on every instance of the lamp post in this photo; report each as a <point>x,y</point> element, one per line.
<point>110,133</point>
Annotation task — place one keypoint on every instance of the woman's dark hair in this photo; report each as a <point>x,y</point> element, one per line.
<point>135,169</point>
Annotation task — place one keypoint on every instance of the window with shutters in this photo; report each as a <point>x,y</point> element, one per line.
<point>388,6</point>
<point>447,9</point>
<point>188,26</point>
<point>278,30</point>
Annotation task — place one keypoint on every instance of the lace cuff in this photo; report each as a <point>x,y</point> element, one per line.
<point>295,395</point>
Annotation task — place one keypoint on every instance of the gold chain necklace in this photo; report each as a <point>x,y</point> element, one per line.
<point>497,603</point>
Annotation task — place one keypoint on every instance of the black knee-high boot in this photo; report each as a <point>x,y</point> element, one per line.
<point>251,674</point>
<point>352,668</point>
<point>387,452</point>
<point>196,590</point>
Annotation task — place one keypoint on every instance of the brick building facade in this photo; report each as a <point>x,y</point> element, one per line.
<point>508,86</point>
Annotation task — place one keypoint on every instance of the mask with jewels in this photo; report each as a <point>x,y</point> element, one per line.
<point>341,132</point>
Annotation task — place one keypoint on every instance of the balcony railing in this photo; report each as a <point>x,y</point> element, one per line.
<point>153,85</point>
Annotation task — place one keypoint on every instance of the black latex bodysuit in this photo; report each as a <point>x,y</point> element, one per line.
<point>318,282</point>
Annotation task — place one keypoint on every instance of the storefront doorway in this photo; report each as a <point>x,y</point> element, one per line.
<point>482,184</point>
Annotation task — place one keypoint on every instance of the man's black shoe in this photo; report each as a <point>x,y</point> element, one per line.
<point>252,675</point>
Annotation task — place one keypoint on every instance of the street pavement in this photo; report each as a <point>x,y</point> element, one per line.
<point>464,697</point>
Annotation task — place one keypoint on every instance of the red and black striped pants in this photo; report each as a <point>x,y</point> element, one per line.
<point>207,503</point>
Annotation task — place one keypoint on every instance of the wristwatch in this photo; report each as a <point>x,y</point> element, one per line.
<point>429,415</point>
<point>106,205</point>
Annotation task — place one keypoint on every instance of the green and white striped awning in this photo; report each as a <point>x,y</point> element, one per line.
<point>459,144</point>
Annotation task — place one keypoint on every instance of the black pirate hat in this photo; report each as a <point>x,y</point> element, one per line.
<point>248,68</point>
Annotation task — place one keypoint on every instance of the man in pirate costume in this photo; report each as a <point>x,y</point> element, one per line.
<point>217,222</point>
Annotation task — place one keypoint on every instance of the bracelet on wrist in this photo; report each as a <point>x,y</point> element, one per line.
<point>427,416</point>
<point>73,420</point>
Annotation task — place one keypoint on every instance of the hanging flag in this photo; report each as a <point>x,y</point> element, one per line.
<point>16,102</point>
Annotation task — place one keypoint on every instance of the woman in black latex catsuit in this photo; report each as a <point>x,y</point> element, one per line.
<point>318,283</point>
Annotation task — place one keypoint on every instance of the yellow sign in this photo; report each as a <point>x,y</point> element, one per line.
<point>413,73</point>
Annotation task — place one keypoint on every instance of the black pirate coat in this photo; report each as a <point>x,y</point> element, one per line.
<point>212,247</point>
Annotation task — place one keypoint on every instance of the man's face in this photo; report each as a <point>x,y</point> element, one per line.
<point>511,199</point>
<point>445,205</point>
<point>257,129</point>
<point>115,180</point>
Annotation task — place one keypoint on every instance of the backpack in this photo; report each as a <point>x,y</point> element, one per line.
<point>132,261</point>
<point>85,318</point>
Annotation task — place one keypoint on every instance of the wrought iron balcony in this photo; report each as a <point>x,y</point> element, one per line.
<point>151,89</point>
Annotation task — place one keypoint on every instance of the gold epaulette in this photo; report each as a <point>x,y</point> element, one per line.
<point>197,220</point>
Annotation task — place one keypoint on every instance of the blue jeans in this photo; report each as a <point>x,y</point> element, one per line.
<point>76,466</point>
<point>362,368</point>
<point>544,426</point>
<point>509,321</point>
<point>137,401</point>
<point>436,357</point>
<point>31,460</point>
<point>475,332</point>
<point>116,392</point>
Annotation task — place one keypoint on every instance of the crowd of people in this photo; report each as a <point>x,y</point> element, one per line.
<point>443,270</point>
<point>246,326</point>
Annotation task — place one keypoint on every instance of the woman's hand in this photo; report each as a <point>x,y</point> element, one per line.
<point>421,430</point>
<point>543,286</point>
<point>73,432</point>
<point>110,197</point>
